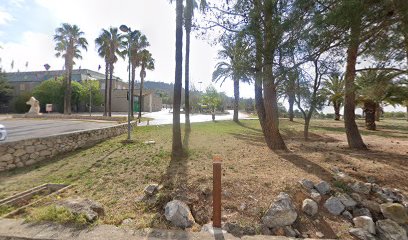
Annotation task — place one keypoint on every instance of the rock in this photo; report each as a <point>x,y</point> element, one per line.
<point>178,213</point>
<point>334,206</point>
<point>319,234</point>
<point>342,177</point>
<point>323,187</point>
<point>315,195</point>
<point>233,228</point>
<point>347,215</point>
<point>307,184</point>
<point>151,189</point>
<point>360,187</point>
<point>249,230</point>
<point>309,207</point>
<point>374,207</point>
<point>390,230</point>
<point>127,221</point>
<point>213,231</point>
<point>395,212</point>
<point>365,223</point>
<point>361,234</point>
<point>92,210</point>
<point>282,212</point>
<point>290,232</point>
<point>357,212</point>
<point>347,201</point>
<point>357,197</point>
<point>265,230</point>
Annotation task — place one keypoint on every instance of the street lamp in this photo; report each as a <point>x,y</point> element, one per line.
<point>127,30</point>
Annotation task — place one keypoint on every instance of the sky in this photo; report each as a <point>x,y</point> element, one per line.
<point>27,28</point>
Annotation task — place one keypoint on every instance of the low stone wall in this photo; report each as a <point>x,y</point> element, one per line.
<point>26,152</point>
<point>73,116</point>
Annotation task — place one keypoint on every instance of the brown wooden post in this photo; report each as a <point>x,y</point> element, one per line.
<point>217,192</point>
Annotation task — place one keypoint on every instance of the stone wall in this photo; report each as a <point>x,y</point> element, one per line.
<point>26,152</point>
<point>73,116</point>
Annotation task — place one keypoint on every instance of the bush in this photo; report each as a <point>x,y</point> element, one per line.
<point>20,105</point>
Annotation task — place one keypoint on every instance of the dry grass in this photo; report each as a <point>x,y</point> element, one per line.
<point>115,173</point>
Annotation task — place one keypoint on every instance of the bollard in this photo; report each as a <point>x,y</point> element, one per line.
<point>148,122</point>
<point>217,192</point>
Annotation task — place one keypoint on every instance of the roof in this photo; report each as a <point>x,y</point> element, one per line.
<point>39,76</point>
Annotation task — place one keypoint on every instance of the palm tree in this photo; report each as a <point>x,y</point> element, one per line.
<point>69,39</point>
<point>102,42</point>
<point>138,43</point>
<point>333,88</point>
<point>146,62</point>
<point>236,67</point>
<point>111,46</point>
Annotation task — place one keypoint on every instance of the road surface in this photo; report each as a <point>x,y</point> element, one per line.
<point>19,129</point>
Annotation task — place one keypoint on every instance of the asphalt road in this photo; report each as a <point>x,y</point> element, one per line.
<point>19,129</point>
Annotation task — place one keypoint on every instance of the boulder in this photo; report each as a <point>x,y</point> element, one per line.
<point>361,234</point>
<point>233,228</point>
<point>395,211</point>
<point>334,206</point>
<point>365,223</point>
<point>92,210</point>
<point>360,187</point>
<point>323,187</point>
<point>309,207</point>
<point>374,207</point>
<point>178,213</point>
<point>357,212</point>
<point>307,184</point>
<point>282,212</point>
<point>347,215</point>
<point>390,230</point>
<point>347,201</point>
<point>315,195</point>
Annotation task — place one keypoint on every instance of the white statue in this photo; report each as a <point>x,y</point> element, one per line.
<point>35,106</point>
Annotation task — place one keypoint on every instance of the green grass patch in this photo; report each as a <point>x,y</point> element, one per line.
<point>53,213</point>
<point>4,209</point>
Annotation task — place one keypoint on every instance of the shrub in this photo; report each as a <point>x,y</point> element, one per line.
<point>20,105</point>
<point>53,213</point>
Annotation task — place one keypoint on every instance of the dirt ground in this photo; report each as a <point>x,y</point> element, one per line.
<point>115,173</point>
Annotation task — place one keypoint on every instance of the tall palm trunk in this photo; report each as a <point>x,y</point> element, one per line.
<point>370,112</point>
<point>141,93</point>
<point>177,147</point>
<point>105,109</point>
<point>336,106</point>
<point>188,21</point>
<point>110,90</point>
<point>353,134</point>
<point>132,92</point>
<point>271,127</point>
<point>378,110</point>
<point>236,100</point>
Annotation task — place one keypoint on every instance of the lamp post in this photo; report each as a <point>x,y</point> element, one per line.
<point>127,30</point>
<point>90,94</point>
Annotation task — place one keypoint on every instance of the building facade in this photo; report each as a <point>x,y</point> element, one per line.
<point>26,82</point>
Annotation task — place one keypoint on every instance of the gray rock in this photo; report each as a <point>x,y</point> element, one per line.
<point>208,228</point>
<point>374,207</point>
<point>357,197</point>
<point>360,187</point>
<point>361,234</point>
<point>365,223</point>
<point>342,177</point>
<point>309,207</point>
<point>347,201</point>
<point>233,228</point>
<point>357,212</point>
<point>323,187</point>
<point>319,234</point>
<point>347,215</point>
<point>334,206</point>
<point>307,184</point>
<point>390,230</point>
<point>282,212</point>
<point>179,214</point>
<point>151,189</point>
<point>92,210</point>
<point>395,212</point>
<point>315,195</point>
<point>290,232</point>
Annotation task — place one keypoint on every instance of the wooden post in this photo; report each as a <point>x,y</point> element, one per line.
<point>217,192</point>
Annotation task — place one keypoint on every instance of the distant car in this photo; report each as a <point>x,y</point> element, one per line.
<point>3,133</point>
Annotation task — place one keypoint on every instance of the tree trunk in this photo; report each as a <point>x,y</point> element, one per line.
<point>306,128</point>
<point>407,113</point>
<point>69,90</point>
<point>188,21</point>
<point>272,135</point>
<point>370,113</point>
<point>141,93</point>
<point>378,110</point>
<point>236,100</point>
<point>353,134</point>
<point>132,94</point>
<point>110,91</point>
<point>66,90</point>
<point>337,106</point>
<point>105,109</point>
<point>291,99</point>
<point>177,147</point>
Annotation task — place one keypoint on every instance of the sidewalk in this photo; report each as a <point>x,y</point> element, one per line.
<point>16,229</point>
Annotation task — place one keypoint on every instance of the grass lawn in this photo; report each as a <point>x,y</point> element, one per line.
<point>115,174</point>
